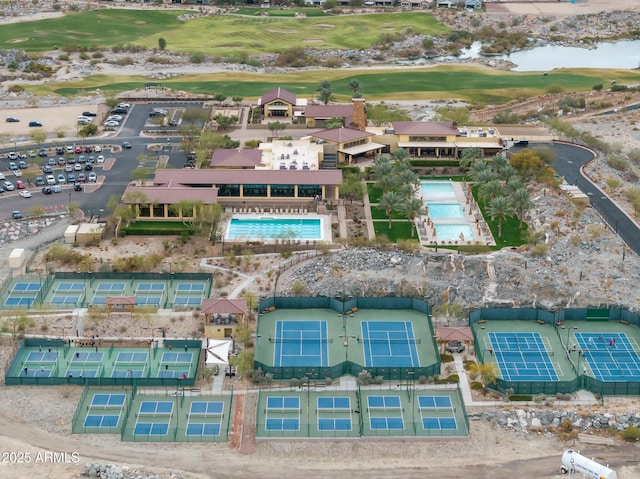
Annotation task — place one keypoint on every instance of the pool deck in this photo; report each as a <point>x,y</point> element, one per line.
<point>472,217</point>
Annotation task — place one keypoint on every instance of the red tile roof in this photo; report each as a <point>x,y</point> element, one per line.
<point>424,128</point>
<point>167,195</point>
<point>120,300</point>
<point>232,158</point>
<point>223,306</point>
<point>454,334</point>
<point>323,112</point>
<point>341,135</point>
<point>206,177</point>
<point>278,94</point>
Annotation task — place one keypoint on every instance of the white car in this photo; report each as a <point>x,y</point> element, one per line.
<point>124,105</point>
<point>17,173</point>
<point>2,177</point>
<point>51,180</point>
<point>69,148</point>
<point>100,159</point>
<point>25,193</point>
<point>115,118</point>
<point>112,124</point>
<point>78,167</point>
<point>97,148</point>
<point>61,179</point>
<point>93,177</point>
<point>7,185</point>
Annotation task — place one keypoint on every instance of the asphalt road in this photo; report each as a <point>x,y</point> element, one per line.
<point>570,159</point>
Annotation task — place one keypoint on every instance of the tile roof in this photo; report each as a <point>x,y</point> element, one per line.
<point>120,300</point>
<point>341,135</point>
<point>207,177</point>
<point>233,158</point>
<point>170,194</point>
<point>278,94</point>
<point>223,306</point>
<point>329,111</point>
<point>424,128</point>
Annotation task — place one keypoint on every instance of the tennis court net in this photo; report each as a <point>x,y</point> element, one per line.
<point>301,340</point>
<point>521,352</point>
<point>625,353</point>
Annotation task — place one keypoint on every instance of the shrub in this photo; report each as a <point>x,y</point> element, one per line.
<point>631,433</point>
<point>446,358</point>
<point>521,397</point>
<point>477,385</point>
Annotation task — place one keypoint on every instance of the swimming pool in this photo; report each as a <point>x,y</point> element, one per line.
<point>271,228</point>
<point>454,232</point>
<point>437,190</point>
<point>445,210</point>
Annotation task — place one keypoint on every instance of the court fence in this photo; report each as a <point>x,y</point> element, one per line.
<point>557,319</point>
<point>343,307</point>
<point>14,378</point>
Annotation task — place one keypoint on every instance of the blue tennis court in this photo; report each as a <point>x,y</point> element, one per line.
<point>203,429</point>
<point>35,372</point>
<point>334,404</point>
<point>523,356</point>
<point>205,418</point>
<point>74,372</point>
<point>278,415</point>
<point>176,358</point>
<point>151,429</point>
<point>87,357</point>
<point>439,423</point>
<point>102,420</point>
<point>610,356</point>
<point>301,343</point>
<point>42,357</point>
<point>149,300</point>
<point>157,288</point>
<point>19,300</point>
<point>206,408</point>
<point>108,400</point>
<point>65,299</point>
<point>384,403</point>
<point>25,287</point>
<point>156,408</point>
<point>386,423</point>
<point>110,287</point>
<point>389,344</point>
<point>69,288</point>
<point>283,403</point>
<point>132,357</point>
<point>190,288</point>
<point>435,402</point>
<point>334,424</point>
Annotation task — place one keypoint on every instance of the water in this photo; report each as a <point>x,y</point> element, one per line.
<point>437,190</point>
<point>453,232</point>
<point>445,210</point>
<point>621,55</point>
<point>266,228</point>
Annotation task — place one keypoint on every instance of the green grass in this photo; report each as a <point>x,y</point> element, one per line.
<point>477,85</point>
<point>399,230</point>
<point>512,235</point>
<point>276,12</point>
<point>225,35</point>
<point>156,228</point>
<point>374,193</point>
<point>379,214</point>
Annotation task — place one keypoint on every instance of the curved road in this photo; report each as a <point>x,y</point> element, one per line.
<point>570,159</point>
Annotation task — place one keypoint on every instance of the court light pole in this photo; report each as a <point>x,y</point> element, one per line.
<point>575,328</point>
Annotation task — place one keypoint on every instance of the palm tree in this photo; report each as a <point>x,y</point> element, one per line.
<point>408,177</point>
<point>406,190</point>
<point>478,167</point>
<point>399,155</point>
<point>500,207</point>
<point>412,208</point>
<point>381,167</point>
<point>514,183</point>
<point>325,92</point>
<point>499,161</point>
<point>491,190</point>
<point>387,183</point>
<point>507,172</point>
<point>470,156</point>
<point>389,202</point>
<point>521,202</point>
<point>485,176</point>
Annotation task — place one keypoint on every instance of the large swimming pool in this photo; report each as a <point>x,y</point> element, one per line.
<point>271,228</point>
<point>454,232</point>
<point>437,190</point>
<point>445,210</point>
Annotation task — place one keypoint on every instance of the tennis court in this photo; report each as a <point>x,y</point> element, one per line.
<point>610,356</point>
<point>23,293</point>
<point>301,343</point>
<point>205,418</point>
<point>282,413</point>
<point>523,356</point>
<point>100,412</point>
<point>66,364</point>
<point>334,413</point>
<point>188,293</point>
<point>153,418</point>
<point>68,293</point>
<point>389,344</point>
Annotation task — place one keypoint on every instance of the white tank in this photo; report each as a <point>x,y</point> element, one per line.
<point>573,462</point>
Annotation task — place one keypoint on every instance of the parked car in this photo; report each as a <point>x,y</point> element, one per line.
<point>455,347</point>
<point>82,159</point>
<point>97,149</point>
<point>47,190</point>
<point>59,150</point>
<point>12,119</point>
<point>35,123</point>
<point>47,170</point>
<point>124,106</point>
<point>115,118</point>
<point>126,145</point>
<point>51,180</point>
<point>93,178</point>
<point>13,165</point>
<point>43,153</point>
<point>68,149</point>
<point>17,173</point>
<point>61,179</point>
<point>56,188</point>
<point>119,111</point>
<point>39,181</point>
<point>78,167</point>
<point>32,154</point>
<point>25,194</point>
<point>12,155</point>
<point>88,149</point>
<point>77,150</point>
<point>8,186</point>
<point>112,124</point>
<point>82,178</point>
<point>71,178</point>
<point>100,159</point>
<point>62,161</point>
<point>83,120</point>
<point>51,162</point>
<point>89,113</point>
<point>68,168</point>
<point>23,165</point>
<point>88,167</point>
<point>2,177</point>
<point>16,215</point>
<point>20,184</point>
<point>77,186</point>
